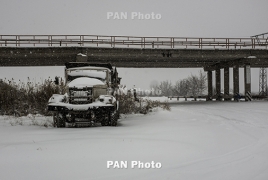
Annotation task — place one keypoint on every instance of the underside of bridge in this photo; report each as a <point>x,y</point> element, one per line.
<point>127,57</point>
<point>210,60</point>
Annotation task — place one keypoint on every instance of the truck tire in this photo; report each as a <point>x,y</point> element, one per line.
<point>105,119</point>
<point>54,120</point>
<point>114,118</point>
<point>104,122</point>
<point>60,120</point>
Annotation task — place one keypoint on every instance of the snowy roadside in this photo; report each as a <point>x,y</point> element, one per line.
<point>29,120</point>
<point>47,121</point>
<point>195,140</point>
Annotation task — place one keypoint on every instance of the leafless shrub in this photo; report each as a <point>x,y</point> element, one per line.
<point>127,105</point>
<point>21,99</point>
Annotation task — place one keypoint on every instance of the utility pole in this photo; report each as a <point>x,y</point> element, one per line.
<point>263,82</point>
<point>262,40</point>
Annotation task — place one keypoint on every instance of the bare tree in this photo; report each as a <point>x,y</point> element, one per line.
<point>166,88</point>
<point>181,87</point>
<point>193,83</point>
<point>197,84</point>
<point>191,86</point>
<point>202,82</point>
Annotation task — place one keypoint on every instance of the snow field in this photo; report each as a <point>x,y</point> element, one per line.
<point>195,140</point>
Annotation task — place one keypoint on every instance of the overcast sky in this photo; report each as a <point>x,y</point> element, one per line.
<point>179,18</point>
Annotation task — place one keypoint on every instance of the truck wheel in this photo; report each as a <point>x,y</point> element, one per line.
<point>60,121</point>
<point>114,118</point>
<point>54,119</point>
<point>104,122</point>
<point>105,119</point>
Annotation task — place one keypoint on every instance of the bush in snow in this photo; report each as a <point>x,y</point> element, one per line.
<point>21,99</point>
<point>30,119</point>
<point>128,105</point>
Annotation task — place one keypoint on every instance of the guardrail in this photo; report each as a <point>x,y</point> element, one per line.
<point>257,97</point>
<point>131,42</point>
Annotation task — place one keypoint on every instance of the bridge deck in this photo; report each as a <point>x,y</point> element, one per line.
<point>129,51</point>
<point>132,42</point>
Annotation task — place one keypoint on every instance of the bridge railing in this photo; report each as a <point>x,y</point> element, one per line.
<point>131,42</point>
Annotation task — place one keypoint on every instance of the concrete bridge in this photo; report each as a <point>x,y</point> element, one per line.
<point>212,54</point>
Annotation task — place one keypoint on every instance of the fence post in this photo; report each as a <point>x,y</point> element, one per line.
<point>144,42</point>
<point>227,43</point>
<point>200,43</point>
<point>16,41</point>
<point>34,40</point>
<point>253,43</point>
<point>128,41</point>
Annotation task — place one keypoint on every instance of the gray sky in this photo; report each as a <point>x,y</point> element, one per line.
<point>179,18</point>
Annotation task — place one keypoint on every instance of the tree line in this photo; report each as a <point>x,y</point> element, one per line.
<point>194,85</point>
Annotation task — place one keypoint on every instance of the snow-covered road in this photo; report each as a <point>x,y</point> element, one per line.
<point>195,140</point>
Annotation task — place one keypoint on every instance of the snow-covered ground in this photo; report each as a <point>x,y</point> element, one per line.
<point>195,140</point>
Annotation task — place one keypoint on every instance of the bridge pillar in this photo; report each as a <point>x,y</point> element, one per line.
<point>236,79</point>
<point>247,78</point>
<point>218,83</point>
<point>210,89</point>
<point>226,83</point>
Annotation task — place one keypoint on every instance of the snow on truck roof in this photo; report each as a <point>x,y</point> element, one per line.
<point>85,82</point>
<point>88,67</point>
<point>87,64</point>
<point>88,73</point>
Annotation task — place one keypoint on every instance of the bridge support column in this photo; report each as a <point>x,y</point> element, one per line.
<point>210,89</point>
<point>236,79</point>
<point>218,83</point>
<point>226,83</point>
<point>247,78</point>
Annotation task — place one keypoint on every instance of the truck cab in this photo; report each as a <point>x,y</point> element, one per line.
<point>89,96</point>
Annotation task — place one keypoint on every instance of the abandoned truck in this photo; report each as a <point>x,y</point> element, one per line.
<point>89,98</point>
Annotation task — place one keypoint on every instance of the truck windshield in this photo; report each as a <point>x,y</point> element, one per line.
<point>92,73</point>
